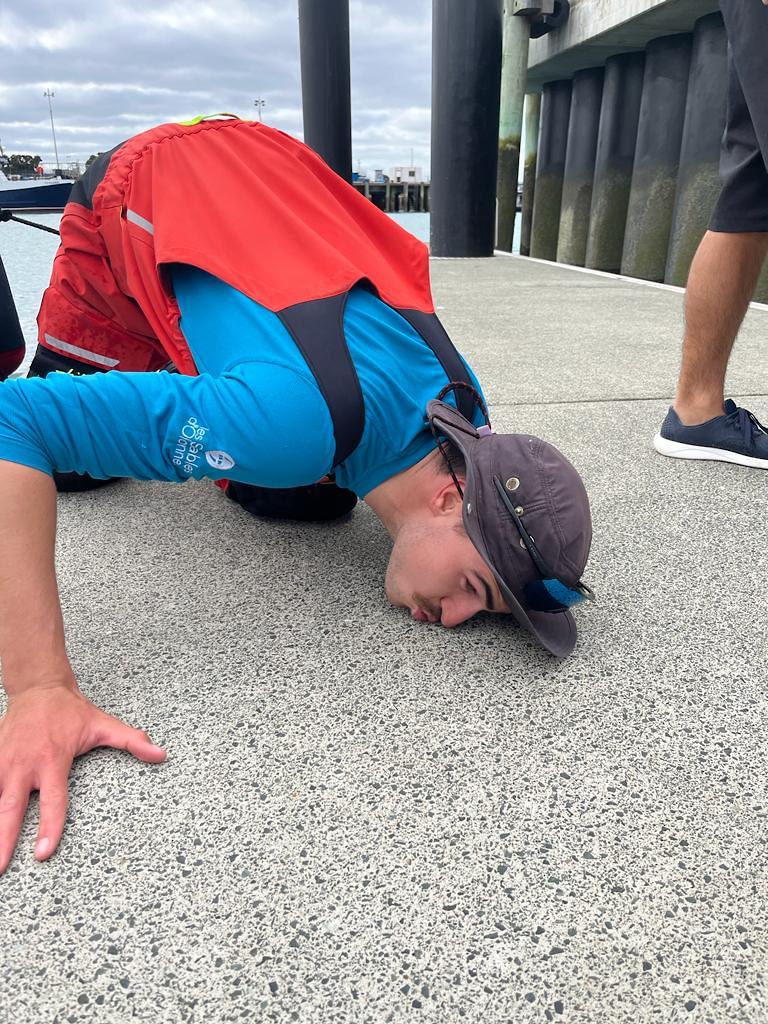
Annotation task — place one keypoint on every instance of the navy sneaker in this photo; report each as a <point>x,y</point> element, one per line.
<point>738,437</point>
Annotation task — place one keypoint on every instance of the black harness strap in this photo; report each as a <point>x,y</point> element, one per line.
<point>317,327</point>
<point>435,335</point>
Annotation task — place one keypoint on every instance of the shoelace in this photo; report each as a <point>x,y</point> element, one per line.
<point>746,423</point>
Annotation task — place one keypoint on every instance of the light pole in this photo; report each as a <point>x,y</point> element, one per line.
<point>259,103</point>
<point>50,94</point>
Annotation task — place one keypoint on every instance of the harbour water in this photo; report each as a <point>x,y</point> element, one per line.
<point>416,223</point>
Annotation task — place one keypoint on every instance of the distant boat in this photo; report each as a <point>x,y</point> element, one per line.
<point>43,195</point>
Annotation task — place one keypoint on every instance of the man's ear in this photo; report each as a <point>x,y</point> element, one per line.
<point>446,499</point>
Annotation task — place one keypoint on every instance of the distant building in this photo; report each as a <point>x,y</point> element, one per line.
<point>411,175</point>
<point>379,176</point>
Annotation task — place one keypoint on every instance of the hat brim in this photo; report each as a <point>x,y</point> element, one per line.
<point>555,631</point>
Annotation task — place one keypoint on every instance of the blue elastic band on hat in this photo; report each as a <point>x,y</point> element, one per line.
<point>551,596</point>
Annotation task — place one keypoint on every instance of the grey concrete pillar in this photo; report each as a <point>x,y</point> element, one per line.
<point>698,183</point>
<point>514,73</point>
<point>657,154</point>
<point>466,78</point>
<point>614,159</point>
<point>531,137</point>
<point>325,90</point>
<point>579,172</point>
<point>11,337</point>
<point>553,138</point>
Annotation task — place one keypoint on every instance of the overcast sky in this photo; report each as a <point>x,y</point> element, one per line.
<point>119,68</point>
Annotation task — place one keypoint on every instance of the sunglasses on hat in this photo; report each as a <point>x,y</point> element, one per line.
<point>555,484</point>
<point>550,593</point>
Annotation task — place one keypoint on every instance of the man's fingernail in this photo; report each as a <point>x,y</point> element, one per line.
<point>42,848</point>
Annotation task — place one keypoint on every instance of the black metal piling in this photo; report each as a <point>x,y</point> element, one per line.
<point>579,170</point>
<point>553,138</point>
<point>466,79</point>
<point>654,177</point>
<point>698,184</point>
<point>325,88</point>
<point>614,159</point>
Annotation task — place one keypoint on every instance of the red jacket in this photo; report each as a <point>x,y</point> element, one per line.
<point>243,201</point>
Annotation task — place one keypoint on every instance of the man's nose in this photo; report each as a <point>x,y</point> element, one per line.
<point>455,610</point>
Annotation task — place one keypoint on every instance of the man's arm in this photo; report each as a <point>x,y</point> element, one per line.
<point>48,721</point>
<point>148,426</point>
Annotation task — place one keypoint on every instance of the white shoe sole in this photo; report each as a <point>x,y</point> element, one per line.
<point>677,450</point>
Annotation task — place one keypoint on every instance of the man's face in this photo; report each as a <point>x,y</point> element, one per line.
<point>437,573</point>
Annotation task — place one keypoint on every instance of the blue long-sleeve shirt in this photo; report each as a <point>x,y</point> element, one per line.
<point>255,413</point>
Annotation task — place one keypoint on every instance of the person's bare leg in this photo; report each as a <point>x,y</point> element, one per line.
<point>721,283</point>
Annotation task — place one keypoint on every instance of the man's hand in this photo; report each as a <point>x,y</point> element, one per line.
<point>48,722</point>
<point>41,734</point>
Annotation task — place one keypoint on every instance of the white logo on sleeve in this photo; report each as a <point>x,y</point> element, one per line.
<point>187,450</point>
<point>219,460</point>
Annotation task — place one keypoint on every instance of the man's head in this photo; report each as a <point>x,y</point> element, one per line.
<point>503,525</point>
<point>435,570</point>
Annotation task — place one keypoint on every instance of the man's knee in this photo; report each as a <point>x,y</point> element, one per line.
<point>321,502</point>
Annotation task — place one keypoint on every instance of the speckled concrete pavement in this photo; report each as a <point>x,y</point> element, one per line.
<point>364,819</point>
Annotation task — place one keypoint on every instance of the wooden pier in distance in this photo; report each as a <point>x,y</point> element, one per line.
<point>396,196</point>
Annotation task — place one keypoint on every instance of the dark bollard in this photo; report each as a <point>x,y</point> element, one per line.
<point>654,178</point>
<point>579,166</point>
<point>698,183</point>
<point>553,138</point>
<point>466,79</point>
<point>325,90</point>
<point>11,338</point>
<point>614,159</point>
<point>530,151</point>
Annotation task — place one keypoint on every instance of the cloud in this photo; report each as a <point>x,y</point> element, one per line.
<point>139,64</point>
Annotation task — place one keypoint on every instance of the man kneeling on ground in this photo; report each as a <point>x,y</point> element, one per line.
<point>300,321</point>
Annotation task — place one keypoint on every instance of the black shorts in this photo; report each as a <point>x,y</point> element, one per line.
<point>743,201</point>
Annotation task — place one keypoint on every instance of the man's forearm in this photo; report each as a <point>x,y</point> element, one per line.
<point>32,650</point>
<point>48,721</point>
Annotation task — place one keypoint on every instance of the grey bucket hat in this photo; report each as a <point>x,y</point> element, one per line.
<point>526,511</point>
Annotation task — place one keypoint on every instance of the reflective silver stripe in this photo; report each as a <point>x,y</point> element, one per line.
<point>140,221</point>
<point>82,353</point>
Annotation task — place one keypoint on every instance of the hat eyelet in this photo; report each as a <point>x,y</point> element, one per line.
<point>512,484</point>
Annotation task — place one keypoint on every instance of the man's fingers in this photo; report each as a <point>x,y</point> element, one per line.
<point>53,811</point>
<point>13,804</point>
<point>115,734</point>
